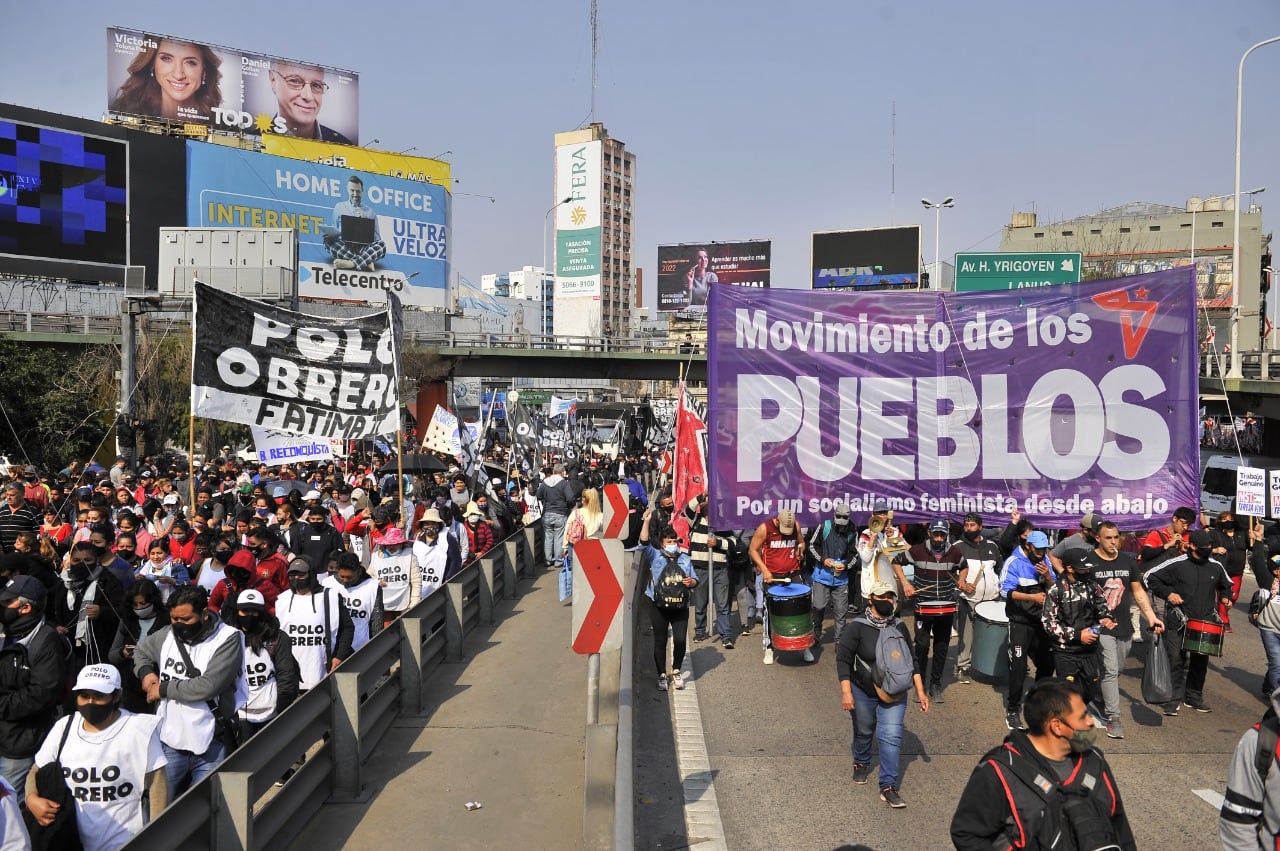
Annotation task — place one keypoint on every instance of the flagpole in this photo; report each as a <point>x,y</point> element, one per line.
<point>406,517</point>
<point>191,464</point>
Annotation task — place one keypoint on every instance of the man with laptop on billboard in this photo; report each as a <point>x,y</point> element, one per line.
<point>353,240</point>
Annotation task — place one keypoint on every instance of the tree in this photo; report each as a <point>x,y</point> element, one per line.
<point>55,406</point>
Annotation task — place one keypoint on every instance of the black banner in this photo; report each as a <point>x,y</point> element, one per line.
<point>262,365</point>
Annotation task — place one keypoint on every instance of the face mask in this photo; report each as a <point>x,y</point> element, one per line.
<point>299,584</point>
<point>145,613</point>
<point>671,549</point>
<point>250,622</point>
<point>97,713</point>
<point>221,556</point>
<point>1198,556</point>
<point>9,615</point>
<point>972,537</point>
<point>483,507</point>
<point>262,512</point>
<point>187,631</point>
<point>238,575</point>
<point>101,551</point>
<point>1082,740</point>
<point>841,522</point>
<point>938,546</point>
<point>883,608</point>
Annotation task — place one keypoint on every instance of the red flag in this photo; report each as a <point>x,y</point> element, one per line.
<point>690,477</point>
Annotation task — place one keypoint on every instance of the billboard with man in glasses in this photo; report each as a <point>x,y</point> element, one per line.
<point>189,82</point>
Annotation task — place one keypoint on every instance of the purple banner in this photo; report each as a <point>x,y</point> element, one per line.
<point>1053,402</point>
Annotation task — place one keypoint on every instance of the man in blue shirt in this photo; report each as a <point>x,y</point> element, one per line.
<point>354,255</point>
<point>1024,583</point>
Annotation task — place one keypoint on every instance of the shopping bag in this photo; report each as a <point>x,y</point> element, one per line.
<point>1157,680</point>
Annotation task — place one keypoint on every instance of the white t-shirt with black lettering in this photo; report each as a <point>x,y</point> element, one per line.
<point>106,772</point>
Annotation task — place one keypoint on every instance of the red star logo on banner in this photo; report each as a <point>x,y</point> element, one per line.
<point>1119,300</point>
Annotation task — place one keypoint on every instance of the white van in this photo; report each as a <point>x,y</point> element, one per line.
<point>1218,478</point>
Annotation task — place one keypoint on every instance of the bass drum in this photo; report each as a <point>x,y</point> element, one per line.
<point>991,639</point>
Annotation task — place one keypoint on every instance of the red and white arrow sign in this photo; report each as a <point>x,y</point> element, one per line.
<point>616,510</point>
<point>597,595</point>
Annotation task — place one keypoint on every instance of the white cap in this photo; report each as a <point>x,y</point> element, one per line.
<point>102,678</point>
<point>250,597</point>
<point>170,499</point>
<point>310,495</point>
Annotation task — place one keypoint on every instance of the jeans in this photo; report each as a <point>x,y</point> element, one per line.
<point>719,588</point>
<point>553,543</point>
<point>835,596</point>
<point>872,717</point>
<point>1115,651</point>
<point>935,631</point>
<point>186,769</point>
<point>16,770</point>
<point>1271,646</point>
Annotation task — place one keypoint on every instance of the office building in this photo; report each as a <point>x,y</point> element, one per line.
<point>594,277</point>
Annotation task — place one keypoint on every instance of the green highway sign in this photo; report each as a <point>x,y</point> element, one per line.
<point>1015,271</point>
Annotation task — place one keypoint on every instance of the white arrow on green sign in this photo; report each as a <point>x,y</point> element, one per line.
<point>1016,271</point>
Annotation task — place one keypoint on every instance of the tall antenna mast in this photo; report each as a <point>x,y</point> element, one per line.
<point>893,161</point>
<point>595,53</point>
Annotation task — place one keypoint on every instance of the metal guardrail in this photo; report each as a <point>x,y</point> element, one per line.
<point>338,724</point>
<point>1254,366</point>
<point>29,322</point>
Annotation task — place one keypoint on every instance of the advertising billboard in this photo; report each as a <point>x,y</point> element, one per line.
<point>874,257</point>
<point>62,195</point>
<point>158,76</point>
<point>501,316</point>
<point>1053,402</point>
<point>686,271</point>
<point>359,234</point>
<point>359,159</point>
<point>578,249</point>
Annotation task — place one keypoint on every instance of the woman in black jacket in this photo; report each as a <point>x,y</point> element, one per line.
<point>142,614</point>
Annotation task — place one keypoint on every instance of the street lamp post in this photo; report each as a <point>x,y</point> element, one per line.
<point>545,220</point>
<point>1235,371</point>
<point>937,235</point>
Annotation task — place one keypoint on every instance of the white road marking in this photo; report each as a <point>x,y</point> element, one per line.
<point>1210,797</point>
<point>701,808</point>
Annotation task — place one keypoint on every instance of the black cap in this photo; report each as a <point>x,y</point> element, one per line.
<point>23,586</point>
<point>1201,540</point>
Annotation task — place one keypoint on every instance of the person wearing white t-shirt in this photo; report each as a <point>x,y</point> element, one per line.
<point>214,569</point>
<point>111,759</point>
<point>189,669</point>
<point>361,594</point>
<point>317,623</point>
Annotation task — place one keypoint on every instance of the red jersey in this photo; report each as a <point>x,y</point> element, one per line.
<point>779,550</point>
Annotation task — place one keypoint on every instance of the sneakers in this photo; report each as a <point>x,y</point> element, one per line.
<point>342,263</point>
<point>700,636</point>
<point>728,643</point>
<point>1098,713</point>
<point>677,679</point>
<point>1201,707</point>
<point>935,694</point>
<point>1114,729</point>
<point>1013,719</point>
<point>962,676</point>
<point>861,773</point>
<point>747,628</point>
<point>1171,709</point>
<point>891,797</point>
<point>768,655</point>
<point>662,682</point>
<point>808,655</point>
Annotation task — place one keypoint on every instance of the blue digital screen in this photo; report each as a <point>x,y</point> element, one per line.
<point>62,195</point>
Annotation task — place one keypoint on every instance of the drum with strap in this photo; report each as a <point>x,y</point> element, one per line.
<point>1204,636</point>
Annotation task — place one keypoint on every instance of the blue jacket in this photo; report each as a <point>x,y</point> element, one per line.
<point>656,560</point>
<point>1019,574</point>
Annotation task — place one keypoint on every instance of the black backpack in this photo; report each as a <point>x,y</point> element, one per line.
<point>1073,819</point>
<point>669,590</point>
<point>1268,734</point>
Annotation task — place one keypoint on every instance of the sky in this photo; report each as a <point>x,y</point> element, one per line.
<point>754,120</point>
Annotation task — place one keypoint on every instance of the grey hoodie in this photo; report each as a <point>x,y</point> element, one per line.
<point>1250,816</point>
